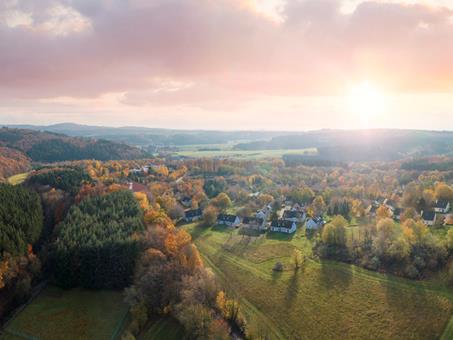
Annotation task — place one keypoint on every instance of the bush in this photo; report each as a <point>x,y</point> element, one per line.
<point>278,267</point>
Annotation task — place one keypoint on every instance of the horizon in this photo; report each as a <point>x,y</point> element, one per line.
<point>81,125</point>
<point>271,65</point>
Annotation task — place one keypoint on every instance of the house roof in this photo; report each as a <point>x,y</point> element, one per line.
<point>137,187</point>
<point>193,213</point>
<point>442,204</point>
<point>282,224</point>
<point>226,218</point>
<point>429,215</point>
<point>317,220</point>
<point>291,214</point>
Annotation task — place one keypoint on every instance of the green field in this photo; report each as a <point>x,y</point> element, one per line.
<point>246,154</point>
<point>18,179</point>
<point>69,314</point>
<point>162,328</point>
<point>322,300</point>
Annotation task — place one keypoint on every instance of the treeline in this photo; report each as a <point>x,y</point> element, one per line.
<point>313,161</point>
<point>21,219</point>
<point>424,164</point>
<point>97,243</point>
<point>21,223</point>
<point>56,150</point>
<point>66,179</point>
<point>170,279</point>
<point>408,249</point>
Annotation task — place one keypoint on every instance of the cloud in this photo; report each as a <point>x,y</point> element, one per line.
<point>228,50</point>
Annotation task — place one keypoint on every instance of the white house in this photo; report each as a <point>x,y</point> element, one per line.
<point>193,215</point>
<point>429,217</point>
<point>442,206</point>
<point>314,223</point>
<point>229,220</point>
<point>283,226</point>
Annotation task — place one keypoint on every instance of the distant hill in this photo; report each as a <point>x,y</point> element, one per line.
<point>361,145</point>
<point>53,147</point>
<point>153,136</point>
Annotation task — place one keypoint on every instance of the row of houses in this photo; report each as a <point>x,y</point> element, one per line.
<point>287,224</point>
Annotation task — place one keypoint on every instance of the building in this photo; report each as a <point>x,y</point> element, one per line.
<point>283,226</point>
<point>253,223</point>
<point>442,206</point>
<point>397,214</point>
<point>193,215</point>
<point>429,217</point>
<point>314,223</point>
<point>229,220</point>
<point>137,187</point>
<point>186,201</point>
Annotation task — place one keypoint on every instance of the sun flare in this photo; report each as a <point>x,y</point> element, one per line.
<point>366,102</point>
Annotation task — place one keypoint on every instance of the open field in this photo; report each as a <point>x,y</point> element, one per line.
<point>69,314</point>
<point>18,179</point>
<point>323,299</point>
<point>245,154</point>
<point>162,328</point>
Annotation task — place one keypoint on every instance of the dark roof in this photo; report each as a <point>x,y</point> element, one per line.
<point>252,220</point>
<point>282,224</point>
<point>193,213</point>
<point>397,211</point>
<point>442,204</point>
<point>291,214</point>
<point>226,218</point>
<point>428,215</point>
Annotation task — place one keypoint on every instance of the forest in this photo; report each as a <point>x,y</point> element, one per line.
<point>96,244</point>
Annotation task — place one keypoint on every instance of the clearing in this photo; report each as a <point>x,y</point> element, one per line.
<point>323,299</point>
<point>69,314</point>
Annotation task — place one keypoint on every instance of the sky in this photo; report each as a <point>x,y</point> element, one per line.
<point>228,64</point>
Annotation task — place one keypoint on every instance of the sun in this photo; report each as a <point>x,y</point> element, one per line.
<point>366,102</point>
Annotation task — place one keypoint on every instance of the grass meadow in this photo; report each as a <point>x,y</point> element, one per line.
<point>18,179</point>
<point>323,299</point>
<point>69,314</point>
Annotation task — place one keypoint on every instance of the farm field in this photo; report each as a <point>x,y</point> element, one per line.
<point>244,154</point>
<point>322,299</point>
<point>64,314</point>
<point>18,179</point>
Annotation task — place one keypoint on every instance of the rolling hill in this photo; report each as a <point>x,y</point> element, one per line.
<point>53,147</point>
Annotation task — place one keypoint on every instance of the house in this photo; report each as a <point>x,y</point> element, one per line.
<point>293,216</point>
<point>442,206</point>
<point>283,226</point>
<point>229,220</point>
<point>429,217</point>
<point>314,223</point>
<point>397,214</point>
<point>264,213</point>
<point>186,201</point>
<point>193,215</point>
<point>137,187</point>
<point>253,223</point>
<point>371,210</point>
<point>390,204</point>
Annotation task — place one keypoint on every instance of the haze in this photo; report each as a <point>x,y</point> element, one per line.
<point>228,64</point>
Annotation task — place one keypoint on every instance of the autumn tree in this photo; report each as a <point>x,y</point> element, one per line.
<point>222,201</point>
<point>319,206</point>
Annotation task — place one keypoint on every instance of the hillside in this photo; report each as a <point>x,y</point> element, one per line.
<point>52,147</point>
<point>12,162</point>
<point>150,136</point>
